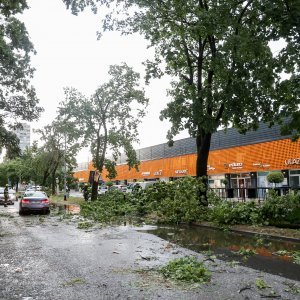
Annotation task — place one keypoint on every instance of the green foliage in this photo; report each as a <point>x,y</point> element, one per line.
<point>108,119</point>
<point>184,205</point>
<point>84,225</point>
<point>292,127</point>
<point>246,252</point>
<point>109,183</point>
<point>109,207</point>
<point>296,257</point>
<point>74,282</point>
<point>10,141</point>
<point>275,177</point>
<point>187,269</point>
<point>231,213</point>
<point>224,181</point>
<point>42,165</point>
<point>172,202</point>
<point>279,210</point>
<point>260,284</point>
<point>18,100</point>
<point>177,202</point>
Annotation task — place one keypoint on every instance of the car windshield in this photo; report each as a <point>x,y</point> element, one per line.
<point>35,194</point>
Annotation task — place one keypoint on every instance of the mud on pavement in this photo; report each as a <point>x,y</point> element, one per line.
<point>49,257</point>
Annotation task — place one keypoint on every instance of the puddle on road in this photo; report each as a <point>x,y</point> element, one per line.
<point>72,209</point>
<point>273,255</point>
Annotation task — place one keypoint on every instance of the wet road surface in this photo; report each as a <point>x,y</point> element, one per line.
<point>49,257</point>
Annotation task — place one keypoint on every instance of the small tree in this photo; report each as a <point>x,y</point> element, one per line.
<point>275,177</point>
<point>108,119</point>
<point>224,181</point>
<point>109,184</point>
<point>60,146</point>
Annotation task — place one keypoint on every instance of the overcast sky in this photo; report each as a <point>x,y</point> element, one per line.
<point>68,54</point>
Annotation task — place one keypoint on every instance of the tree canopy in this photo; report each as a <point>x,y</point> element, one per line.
<point>108,119</point>
<point>18,100</point>
<point>58,151</point>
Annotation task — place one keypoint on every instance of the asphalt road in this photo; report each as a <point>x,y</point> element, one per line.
<point>49,257</point>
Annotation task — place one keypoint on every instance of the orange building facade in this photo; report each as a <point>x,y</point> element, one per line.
<point>243,164</point>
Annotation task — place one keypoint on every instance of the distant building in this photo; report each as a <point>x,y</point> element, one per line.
<point>24,136</point>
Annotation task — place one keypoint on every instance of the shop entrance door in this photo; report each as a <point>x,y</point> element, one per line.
<point>241,190</point>
<point>240,184</point>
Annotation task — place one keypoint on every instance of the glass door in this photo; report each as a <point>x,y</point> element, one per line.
<point>242,188</point>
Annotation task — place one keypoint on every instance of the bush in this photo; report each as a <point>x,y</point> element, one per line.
<point>232,213</point>
<point>108,207</point>
<point>181,203</point>
<point>281,209</point>
<point>171,202</point>
<point>275,177</point>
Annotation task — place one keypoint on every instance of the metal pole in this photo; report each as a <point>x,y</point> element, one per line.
<point>65,172</point>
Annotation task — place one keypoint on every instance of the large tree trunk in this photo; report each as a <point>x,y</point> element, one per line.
<point>17,185</point>
<point>53,184</point>
<point>94,190</point>
<point>203,140</point>
<point>53,180</point>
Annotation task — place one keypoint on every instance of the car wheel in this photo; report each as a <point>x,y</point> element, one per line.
<point>21,212</point>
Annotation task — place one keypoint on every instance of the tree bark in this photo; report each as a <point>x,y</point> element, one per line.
<point>94,190</point>
<point>203,140</point>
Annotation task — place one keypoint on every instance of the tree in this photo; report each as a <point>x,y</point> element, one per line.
<point>10,141</point>
<point>219,54</point>
<point>108,119</point>
<point>17,97</point>
<point>58,151</point>
<point>275,177</point>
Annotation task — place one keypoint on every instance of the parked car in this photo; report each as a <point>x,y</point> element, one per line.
<point>34,201</point>
<point>34,188</point>
<point>120,187</point>
<point>139,185</point>
<point>11,196</point>
<point>102,190</point>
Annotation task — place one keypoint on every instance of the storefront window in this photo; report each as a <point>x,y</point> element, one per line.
<point>295,178</point>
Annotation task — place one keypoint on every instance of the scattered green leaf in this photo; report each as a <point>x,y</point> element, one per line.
<point>187,269</point>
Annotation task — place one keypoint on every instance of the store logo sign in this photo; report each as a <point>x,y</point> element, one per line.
<point>234,165</point>
<point>181,171</point>
<point>210,168</point>
<point>293,161</point>
<point>157,173</point>
<point>145,173</point>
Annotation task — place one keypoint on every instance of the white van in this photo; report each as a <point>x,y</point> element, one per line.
<point>142,184</point>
